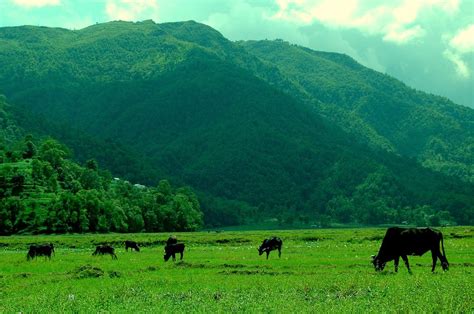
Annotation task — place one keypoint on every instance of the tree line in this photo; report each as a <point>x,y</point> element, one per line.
<point>43,191</point>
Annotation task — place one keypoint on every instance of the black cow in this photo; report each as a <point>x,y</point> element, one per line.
<point>400,242</point>
<point>132,245</point>
<point>172,249</point>
<point>105,249</point>
<point>40,250</point>
<point>269,245</point>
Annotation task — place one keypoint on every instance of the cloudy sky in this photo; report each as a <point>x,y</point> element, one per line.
<point>428,44</point>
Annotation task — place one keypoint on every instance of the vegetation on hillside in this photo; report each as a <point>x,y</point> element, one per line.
<point>378,108</point>
<point>43,191</point>
<point>10,132</point>
<point>255,135</point>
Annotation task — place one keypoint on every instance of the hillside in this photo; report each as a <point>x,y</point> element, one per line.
<point>42,191</point>
<point>204,111</point>
<point>125,162</point>
<point>380,109</point>
<point>10,132</point>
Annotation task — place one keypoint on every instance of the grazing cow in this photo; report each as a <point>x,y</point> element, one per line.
<point>400,242</point>
<point>40,250</point>
<point>172,249</point>
<point>132,245</point>
<point>105,249</point>
<point>269,245</point>
<point>172,240</point>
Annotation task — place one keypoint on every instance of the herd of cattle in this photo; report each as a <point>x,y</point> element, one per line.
<point>397,242</point>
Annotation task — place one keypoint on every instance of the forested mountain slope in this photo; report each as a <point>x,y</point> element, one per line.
<point>381,109</point>
<point>206,112</point>
<point>125,162</point>
<point>10,132</point>
<point>43,191</point>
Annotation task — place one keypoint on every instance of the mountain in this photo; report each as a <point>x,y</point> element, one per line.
<point>10,132</point>
<point>125,162</point>
<point>378,108</point>
<point>248,132</point>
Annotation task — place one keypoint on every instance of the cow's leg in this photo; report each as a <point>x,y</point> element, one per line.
<point>174,257</point>
<point>434,256</point>
<point>442,260</point>
<point>405,259</point>
<point>181,257</point>
<point>396,261</point>
<point>268,253</point>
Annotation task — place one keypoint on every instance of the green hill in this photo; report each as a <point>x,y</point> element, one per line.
<point>42,191</point>
<point>379,109</point>
<point>247,133</point>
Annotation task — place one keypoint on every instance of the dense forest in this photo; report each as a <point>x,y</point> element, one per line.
<point>43,191</point>
<point>381,110</point>
<point>260,130</point>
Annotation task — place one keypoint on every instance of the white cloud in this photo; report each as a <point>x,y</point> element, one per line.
<point>243,20</point>
<point>36,3</point>
<point>461,68</point>
<point>396,21</point>
<point>461,44</point>
<point>131,10</point>
<point>400,35</point>
<point>463,41</point>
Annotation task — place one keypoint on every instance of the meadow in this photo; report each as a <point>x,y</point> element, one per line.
<point>320,270</point>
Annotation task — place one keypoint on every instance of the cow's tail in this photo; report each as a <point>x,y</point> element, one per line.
<point>442,245</point>
<point>445,263</point>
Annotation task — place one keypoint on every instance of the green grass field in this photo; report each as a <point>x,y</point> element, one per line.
<point>325,270</point>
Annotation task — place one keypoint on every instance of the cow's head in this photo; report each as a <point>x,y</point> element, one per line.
<point>31,253</point>
<point>445,265</point>
<point>168,254</point>
<point>378,264</point>
<point>97,250</point>
<point>261,249</point>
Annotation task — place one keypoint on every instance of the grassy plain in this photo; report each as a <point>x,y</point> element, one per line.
<point>322,270</point>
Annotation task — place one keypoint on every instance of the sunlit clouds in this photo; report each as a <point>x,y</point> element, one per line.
<point>131,10</point>
<point>460,45</point>
<point>395,21</point>
<point>36,3</point>
<point>463,42</point>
